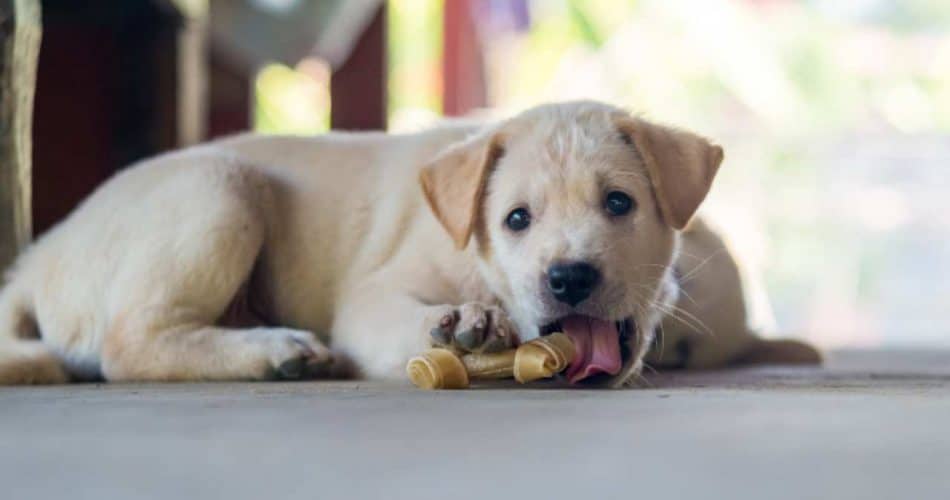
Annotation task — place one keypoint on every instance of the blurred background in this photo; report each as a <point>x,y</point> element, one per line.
<point>834,114</point>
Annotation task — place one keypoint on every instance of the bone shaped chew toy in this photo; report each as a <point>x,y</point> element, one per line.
<point>540,358</point>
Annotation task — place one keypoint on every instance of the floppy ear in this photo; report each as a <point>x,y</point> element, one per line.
<point>681,165</point>
<point>454,184</point>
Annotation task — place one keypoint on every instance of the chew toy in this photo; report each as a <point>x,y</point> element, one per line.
<point>540,358</point>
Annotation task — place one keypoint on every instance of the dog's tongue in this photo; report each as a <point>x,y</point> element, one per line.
<point>597,346</point>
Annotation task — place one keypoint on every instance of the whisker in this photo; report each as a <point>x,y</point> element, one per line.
<point>686,317</point>
<point>689,319</point>
<point>643,380</point>
<point>688,296</point>
<point>682,315</point>
<point>686,277</point>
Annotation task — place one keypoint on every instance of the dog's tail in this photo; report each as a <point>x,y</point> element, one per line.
<point>24,359</point>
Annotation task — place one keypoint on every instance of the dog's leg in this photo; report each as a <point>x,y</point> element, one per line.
<point>381,331</point>
<point>178,281</point>
<point>380,327</point>
<point>23,357</point>
<point>141,352</point>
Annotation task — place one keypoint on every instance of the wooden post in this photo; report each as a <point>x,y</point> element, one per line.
<point>19,50</point>
<point>463,71</point>
<point>358,87</point>
<point>117,81</point>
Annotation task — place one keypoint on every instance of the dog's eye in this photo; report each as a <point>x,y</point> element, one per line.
<point>618,203</point>
<point>518,220</point>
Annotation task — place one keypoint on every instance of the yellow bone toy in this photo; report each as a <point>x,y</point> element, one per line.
<point>443,369</point>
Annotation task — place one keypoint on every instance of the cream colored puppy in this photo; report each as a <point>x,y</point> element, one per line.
<point>257,257</point>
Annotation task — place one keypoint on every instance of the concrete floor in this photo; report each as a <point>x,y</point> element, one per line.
<point>868,425</point>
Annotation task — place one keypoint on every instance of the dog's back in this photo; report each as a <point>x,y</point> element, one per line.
<point>72,287</point>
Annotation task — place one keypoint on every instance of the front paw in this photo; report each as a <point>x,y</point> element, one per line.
<point>290,354</point>
<point>472,327</point>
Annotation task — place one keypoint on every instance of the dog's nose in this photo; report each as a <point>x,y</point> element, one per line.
<point>573,282</point>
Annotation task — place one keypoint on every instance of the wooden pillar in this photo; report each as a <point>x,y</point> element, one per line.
<point>192,68</point>
<point>463,71</point>
<point>358,87</point>
<point>230,95</point>
<point>117,81</point>
<point>19,48</point>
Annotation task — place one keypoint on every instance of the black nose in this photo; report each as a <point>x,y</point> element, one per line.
<point>573,282</point>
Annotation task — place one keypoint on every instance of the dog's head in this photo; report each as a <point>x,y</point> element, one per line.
<point>574,209</point>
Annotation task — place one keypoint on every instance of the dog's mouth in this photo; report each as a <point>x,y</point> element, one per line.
<point>602,346</point>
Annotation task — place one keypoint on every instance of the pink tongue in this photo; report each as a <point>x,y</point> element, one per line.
<point>597,345</point>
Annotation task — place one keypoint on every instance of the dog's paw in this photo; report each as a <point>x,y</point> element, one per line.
<point>293,354</point>
<point>472,327</point>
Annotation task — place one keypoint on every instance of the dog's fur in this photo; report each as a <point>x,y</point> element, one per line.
<point>260,256</point>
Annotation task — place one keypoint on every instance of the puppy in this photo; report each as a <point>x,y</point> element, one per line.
<point>260,257</point>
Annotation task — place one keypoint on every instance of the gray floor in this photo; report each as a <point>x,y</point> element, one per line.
<point>868,425</point>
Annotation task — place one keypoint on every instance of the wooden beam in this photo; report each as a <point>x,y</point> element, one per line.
<point>192,69</point>
<point>19,49</point>
<point>230,95</point>
<point>463,68</point>
<point>358,87</point>
<point>117,81</point>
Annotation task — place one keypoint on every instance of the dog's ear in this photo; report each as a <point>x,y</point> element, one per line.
<point>681,166</point>
<point>454,184</point>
